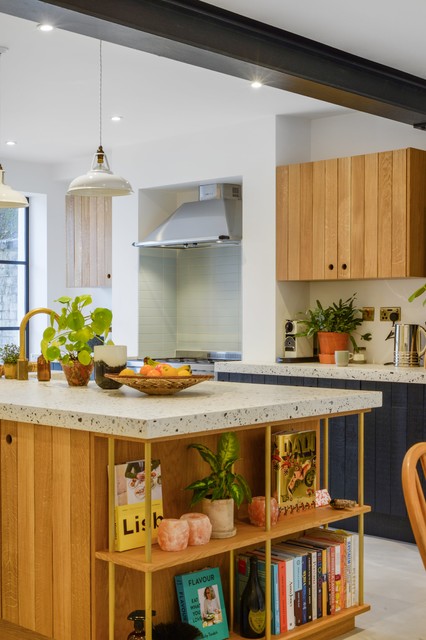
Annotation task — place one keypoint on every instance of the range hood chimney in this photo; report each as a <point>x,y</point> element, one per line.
<point>215,219</point>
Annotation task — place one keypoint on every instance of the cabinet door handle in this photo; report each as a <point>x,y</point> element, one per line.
<point>331,267</point>
<point>344,266</point>
<point>108,276</point>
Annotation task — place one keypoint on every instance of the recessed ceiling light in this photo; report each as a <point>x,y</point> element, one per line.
<point>256,84</point>
<point>11,143</point>
<point>45,27</point>
<point>116,118</point>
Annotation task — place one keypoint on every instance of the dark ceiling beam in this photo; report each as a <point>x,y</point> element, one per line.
<point>207,36</point>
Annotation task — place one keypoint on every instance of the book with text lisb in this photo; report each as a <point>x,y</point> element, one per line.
<point>130,503</point>
<point>201,603</point>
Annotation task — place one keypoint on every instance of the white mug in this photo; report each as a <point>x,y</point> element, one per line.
<point>342,358</point>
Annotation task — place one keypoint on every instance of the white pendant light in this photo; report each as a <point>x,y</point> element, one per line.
<point>9,198</point>
<point>100,180</point>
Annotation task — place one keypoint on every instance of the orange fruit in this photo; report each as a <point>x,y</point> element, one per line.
<point>145,369</point>
<point>154,373</point>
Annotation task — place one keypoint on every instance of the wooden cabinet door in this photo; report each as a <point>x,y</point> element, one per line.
<point>353,218</point>
<point>88,241</point>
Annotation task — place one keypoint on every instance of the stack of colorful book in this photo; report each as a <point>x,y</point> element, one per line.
<point>312,576</point>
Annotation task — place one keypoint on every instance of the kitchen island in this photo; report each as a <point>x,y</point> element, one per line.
<point>390,431</point>
<point>60,577</point>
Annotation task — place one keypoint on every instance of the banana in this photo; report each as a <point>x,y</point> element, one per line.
<point>186,367</point>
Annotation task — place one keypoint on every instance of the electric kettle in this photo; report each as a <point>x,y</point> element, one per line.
<point>407,345</point>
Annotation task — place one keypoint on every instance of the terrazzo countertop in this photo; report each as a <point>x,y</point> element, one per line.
<point>207,406</point>
<point>373,372</point>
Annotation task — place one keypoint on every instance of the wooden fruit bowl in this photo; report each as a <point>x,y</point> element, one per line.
<point>164,386</point>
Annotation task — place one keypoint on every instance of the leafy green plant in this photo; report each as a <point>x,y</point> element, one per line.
<point>9,353</point>
<point>67,338</point>
<point>342,317</point>
<point>222,483</point>
<point>419,292</point>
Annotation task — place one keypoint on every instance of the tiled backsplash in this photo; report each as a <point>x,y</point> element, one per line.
<point>189,299</point>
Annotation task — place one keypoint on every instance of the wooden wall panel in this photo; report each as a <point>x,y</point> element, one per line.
<point>357,224</point>
<point>282,223</point>
<point>344,218</point>
<point>9,522</point>
<point>371,216</point>
<point>318,221</point>
<point>306,222</point>
<point>384,269</point>
<point>43,530</point>
<point>416,202</point>
<point>399,214</point>
<point>88,241</point>
<point>330,236</point>
<point>294,230</point>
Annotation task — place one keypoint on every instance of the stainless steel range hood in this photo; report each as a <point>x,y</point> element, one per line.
<point>215,219</point>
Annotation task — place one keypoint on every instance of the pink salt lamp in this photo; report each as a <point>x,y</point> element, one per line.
<point>173,534</point>
<point>200,528</point>
<point>256,511</point>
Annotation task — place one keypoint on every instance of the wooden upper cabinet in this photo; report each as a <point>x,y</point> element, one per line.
<point>352,218</point>
<point>88,241</point>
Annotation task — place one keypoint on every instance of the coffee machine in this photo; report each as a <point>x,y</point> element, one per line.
<point>297,347</point>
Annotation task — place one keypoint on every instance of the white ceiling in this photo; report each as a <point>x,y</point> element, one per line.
<point>49,82</point>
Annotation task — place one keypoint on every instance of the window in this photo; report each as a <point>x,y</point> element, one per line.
<point>13,272</point>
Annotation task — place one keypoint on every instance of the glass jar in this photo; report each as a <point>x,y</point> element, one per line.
<point>109,358</point>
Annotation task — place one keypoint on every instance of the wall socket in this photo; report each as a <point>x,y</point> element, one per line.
<point>367,314</point>
<point>390,314</point>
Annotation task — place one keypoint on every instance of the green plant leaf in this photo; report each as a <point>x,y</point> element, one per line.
<point>75,320</point>
<point>228,449</point>
<point>101,320</point>
<point>207,455</point>
<point>84,357</point>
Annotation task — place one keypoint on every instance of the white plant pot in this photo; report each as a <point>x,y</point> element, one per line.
<point>221,515</point>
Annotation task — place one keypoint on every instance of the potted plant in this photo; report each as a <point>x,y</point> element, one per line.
<point>219,491</point>
<point>334,326</point>
<point>68,337</point>
<point>9,353</point>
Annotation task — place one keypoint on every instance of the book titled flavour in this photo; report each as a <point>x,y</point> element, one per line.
<point>201,603</point>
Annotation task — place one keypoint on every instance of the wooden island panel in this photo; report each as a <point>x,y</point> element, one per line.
<point>45,529</point>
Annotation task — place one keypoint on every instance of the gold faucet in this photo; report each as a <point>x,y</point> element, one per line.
<point>22,369</point>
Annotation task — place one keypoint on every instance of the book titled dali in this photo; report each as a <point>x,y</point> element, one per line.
<point>201,602</point>
<point>130,479</point>
<point>294,470</point>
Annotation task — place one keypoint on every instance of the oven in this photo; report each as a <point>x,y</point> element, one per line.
<point>201,362</point>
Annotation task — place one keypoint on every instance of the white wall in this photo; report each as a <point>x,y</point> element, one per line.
<point>246,153</point>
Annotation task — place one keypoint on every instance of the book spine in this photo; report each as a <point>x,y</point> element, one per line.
<point>298,597</point>
<point>282,592</point>
<point>181,598</point>
<point>319,583</point>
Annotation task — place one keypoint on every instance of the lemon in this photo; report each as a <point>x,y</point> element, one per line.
<point>127,372</point>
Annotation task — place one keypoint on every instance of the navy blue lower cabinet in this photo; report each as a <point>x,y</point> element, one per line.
<point>389,432</point>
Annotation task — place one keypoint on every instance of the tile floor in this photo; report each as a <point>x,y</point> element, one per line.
<point>395,587</point>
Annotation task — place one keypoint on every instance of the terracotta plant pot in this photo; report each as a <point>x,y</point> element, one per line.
<point>329,342</point>
<point>77,374</point>
<point>10,370</point>
<point>221,515</point>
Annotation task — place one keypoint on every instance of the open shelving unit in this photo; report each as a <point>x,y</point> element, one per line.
<point>158,567</point>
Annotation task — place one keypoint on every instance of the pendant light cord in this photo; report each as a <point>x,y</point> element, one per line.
<point>100,93</point>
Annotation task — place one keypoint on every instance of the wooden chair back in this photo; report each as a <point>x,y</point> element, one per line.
<point>413,474</point>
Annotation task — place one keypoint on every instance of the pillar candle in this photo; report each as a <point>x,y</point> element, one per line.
<point>200,528</point>
<point>173,534</point>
